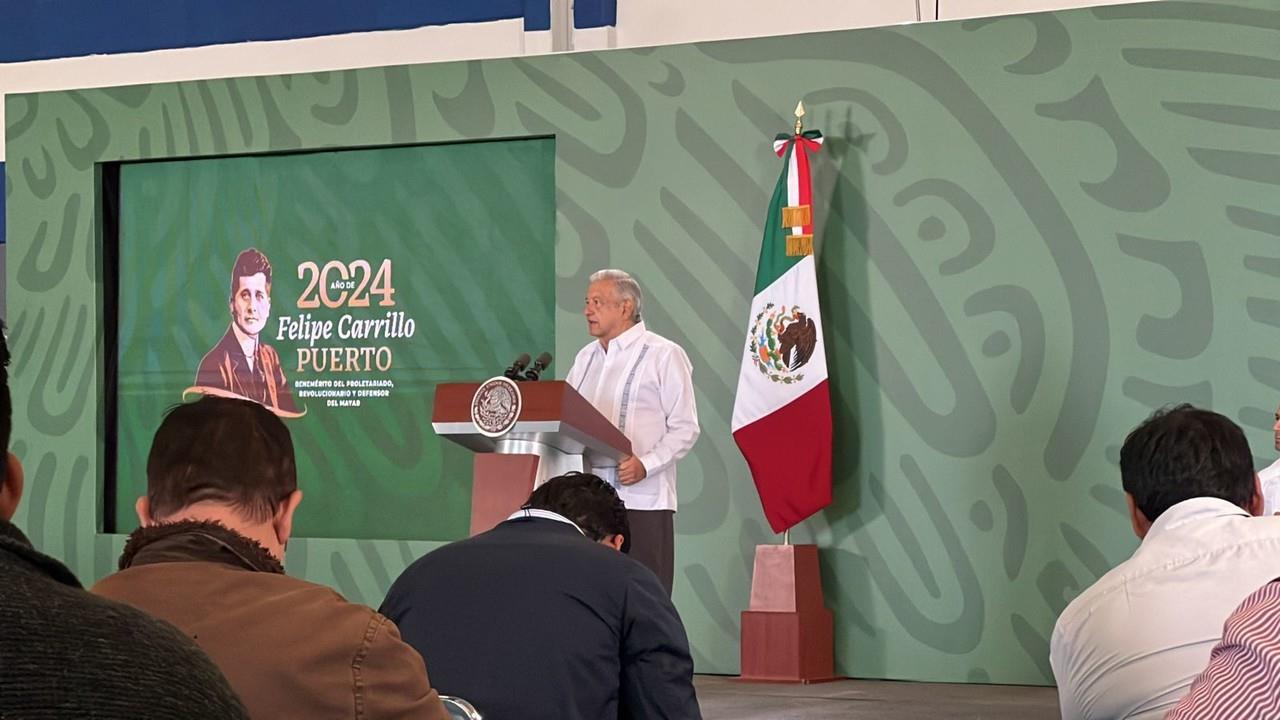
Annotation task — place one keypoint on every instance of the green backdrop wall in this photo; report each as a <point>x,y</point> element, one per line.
<point>1033,230</point>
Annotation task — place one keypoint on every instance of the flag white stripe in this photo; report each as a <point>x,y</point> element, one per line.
<point>793,187</point>
<point>757,395</point>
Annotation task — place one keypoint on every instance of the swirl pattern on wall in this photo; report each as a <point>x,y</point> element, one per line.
<point>1031,232</point>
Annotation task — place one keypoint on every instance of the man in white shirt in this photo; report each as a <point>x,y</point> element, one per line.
<point>643,383</point>
<point>1269,476</point>
<point>1131,645</point>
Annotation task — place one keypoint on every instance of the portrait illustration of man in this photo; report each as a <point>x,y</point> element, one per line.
<point>241,365</point>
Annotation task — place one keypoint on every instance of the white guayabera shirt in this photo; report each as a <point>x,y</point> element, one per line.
<point>644,386</point>
<point>1269,479</point>
<point>1131,644</point>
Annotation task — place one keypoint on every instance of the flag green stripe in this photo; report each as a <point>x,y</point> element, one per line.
<point>774,261</point>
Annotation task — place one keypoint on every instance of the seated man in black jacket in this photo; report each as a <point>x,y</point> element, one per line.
<point>67,654</point>
<point>542,617</point>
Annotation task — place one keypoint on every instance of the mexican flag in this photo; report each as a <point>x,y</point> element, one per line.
<point>782,411</point>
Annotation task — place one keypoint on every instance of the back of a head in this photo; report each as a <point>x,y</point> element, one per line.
<point>139,666</point>
<point>479,609</point>
<point>586,500</point>
<point>229,451</point>
<point>1184,452</point>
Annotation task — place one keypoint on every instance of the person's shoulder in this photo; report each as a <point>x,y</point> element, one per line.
<point>136,624</point>
<point>1095,598</point>
<point>270,591</point>
<point>1194,550</point>
<point>1270,472</point>
<point>616,568</point>
<point>426,562</point>
<point>1254,541</point>
<point>311,605</point>
<point>269,354</point>
<point>304,590</point>
<point>154,658</point>
<point>347,624</point>
<point>81,606</point>
<point>598,566</point>
<point>226,343</point>
<point>656,340</point>
<point>543,540</point>
<point>125,629</point>
<point>215,355</point>
<point>664,345</point>
<point>636,572</point>
<point>425,573</point>
<point>136,582</point>
<point>642,592</point>
<point>1260,611</point>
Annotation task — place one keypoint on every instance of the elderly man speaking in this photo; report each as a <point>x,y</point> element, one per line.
<point>643,383</point>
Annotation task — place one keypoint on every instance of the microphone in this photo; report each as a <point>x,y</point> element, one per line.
<point>513,372</point>
<point>538,366</point>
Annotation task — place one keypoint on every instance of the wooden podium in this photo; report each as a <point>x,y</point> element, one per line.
<point>555,428</point>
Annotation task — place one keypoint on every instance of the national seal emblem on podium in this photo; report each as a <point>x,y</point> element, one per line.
<point>496,406</point>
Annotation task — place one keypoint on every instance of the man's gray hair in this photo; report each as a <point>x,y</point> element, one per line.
<point>625,286</point>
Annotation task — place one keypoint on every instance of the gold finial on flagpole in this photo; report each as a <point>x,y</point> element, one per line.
<point>799,116</point>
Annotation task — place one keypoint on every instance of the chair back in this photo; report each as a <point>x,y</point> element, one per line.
<point>460,709</point>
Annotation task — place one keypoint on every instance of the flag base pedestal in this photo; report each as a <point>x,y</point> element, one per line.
<point>787,632</point>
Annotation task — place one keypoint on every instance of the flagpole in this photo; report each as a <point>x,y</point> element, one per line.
<point>787,632</point>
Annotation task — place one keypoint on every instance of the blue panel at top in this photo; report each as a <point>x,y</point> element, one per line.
<point>537,15</point>
<point>42,29</point>
<point>595,13</point>
<point>3,191</point>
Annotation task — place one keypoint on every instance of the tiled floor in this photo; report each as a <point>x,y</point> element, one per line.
<point>724,698</point>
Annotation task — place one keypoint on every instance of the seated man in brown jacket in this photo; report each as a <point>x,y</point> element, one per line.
<point>221,492</point>
<point>65,653</point>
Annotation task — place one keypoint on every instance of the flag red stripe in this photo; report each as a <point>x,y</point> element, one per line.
<point>789,453</point>
<point>805,183</point>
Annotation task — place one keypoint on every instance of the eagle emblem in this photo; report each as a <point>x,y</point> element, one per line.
<point>495,407</point>
<point>782,341</point>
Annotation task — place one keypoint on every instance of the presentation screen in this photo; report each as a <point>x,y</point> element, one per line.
<point>336,289</point>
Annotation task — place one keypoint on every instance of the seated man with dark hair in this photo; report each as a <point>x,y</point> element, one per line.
<point>542,617</point>
<point>222,488</point>
<point>1130,645</point>
<point>67,654</point>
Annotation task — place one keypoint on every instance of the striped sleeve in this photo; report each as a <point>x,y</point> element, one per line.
<point>1242,680</point>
